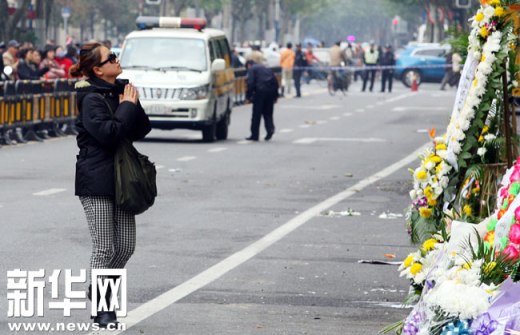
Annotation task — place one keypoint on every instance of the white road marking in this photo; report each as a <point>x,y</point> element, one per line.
<point>417,108</point>
<point>421,131</point>
<point>400,97</point>
<point>220,149</point>
<point>286,130</point>
<point>304,126</point>
<point>322,107</point>
<point>244,142</point>
<point>309,140</point>
<point>158,167</point>
<point>347,114</point>
<point>334,118</point>
<point>322,122</point>
<point>360,110</point>
<point>369,106</point>
<point>50,191</point>
<point>186,158</point>
<point>206,277</point>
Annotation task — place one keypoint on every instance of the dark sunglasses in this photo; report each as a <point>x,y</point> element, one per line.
<point>111,59</point>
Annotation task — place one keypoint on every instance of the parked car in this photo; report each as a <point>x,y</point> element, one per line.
<point>425,62</point>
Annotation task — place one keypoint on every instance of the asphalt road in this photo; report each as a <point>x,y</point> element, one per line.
<point>221,199</point>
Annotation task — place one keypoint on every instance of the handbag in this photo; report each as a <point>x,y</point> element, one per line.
<point>135,177</point>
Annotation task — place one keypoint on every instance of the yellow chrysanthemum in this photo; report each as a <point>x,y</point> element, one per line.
<point>499,11</point>
<point>475,190</point>
<point>479,17</point>
<point>436,159</point>
<point>475,83</point>
<point>483,58</point>
<point>481,139</point>
<point>416,268</point>
<point>425,212</point>
<point>467,210</point>
<point>428,192</point>
<point>432,202</point>
<point>484,33</point>
<point>467,266</point>
<point>489,267</point>
<point>429,244</point>
<point>485,129</point>
<point>408,261</point>
<point>494,2</point>
<point>438,169</point>
<point>440,146</point>
<point>421,175</point>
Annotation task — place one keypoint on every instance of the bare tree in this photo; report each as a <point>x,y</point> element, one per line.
<point>241,12</point>
<point>9,23</point>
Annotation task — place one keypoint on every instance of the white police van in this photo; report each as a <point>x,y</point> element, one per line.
<point>183,74</point>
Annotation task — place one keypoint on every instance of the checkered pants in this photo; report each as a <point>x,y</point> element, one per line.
<point>112,230</point>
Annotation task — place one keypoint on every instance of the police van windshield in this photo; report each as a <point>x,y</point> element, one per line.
<point>182,54</point>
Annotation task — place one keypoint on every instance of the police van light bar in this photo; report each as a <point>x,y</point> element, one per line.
<point>148,22</point>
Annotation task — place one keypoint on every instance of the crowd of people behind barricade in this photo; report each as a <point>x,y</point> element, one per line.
<point>27,62</point>
<point>298,62</point>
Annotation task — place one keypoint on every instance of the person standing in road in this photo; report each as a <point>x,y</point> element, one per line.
<point>287,57</point>
<point>235,60</point>
<point>109,111</point>
<point>300,64</point>
<point>448,70</point>
<point>262,91</point>
<point>370,58</point>
<point>338,58</point>
<point>387,61</point>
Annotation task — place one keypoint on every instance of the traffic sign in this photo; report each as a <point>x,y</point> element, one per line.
<point>65,12</point>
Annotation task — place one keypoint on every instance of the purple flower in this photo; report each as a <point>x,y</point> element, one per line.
<point>484,325</point>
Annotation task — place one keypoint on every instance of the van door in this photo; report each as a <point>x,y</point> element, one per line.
<point>227,89</point>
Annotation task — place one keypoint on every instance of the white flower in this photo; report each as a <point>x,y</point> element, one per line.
<point>489,11</point>
<point>444,181</point>
<point>515,83</point>
<point>452,298</point>
<point>437,191</point>
<point>429,165</point>
<point>481,151</point>
<point>413,194</point>
<point>489,137</point>
<point>456,147</point>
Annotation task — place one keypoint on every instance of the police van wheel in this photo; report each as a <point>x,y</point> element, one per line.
<point>222,128</point>
<point>209,133</point>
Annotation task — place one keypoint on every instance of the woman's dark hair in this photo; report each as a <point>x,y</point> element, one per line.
<point>89,57</point>
<point>23,52</point>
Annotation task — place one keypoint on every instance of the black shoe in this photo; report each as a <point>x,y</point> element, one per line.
<point>298,96</point>
<point>103,319</point>
<point>268,136</point>
<point>251,138</point>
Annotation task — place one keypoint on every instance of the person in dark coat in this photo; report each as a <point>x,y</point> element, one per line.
<point>262,90</point>
<point>109,111</point>
<point>27,69</point>
<point>387,60</point>
<point>300,63</point>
